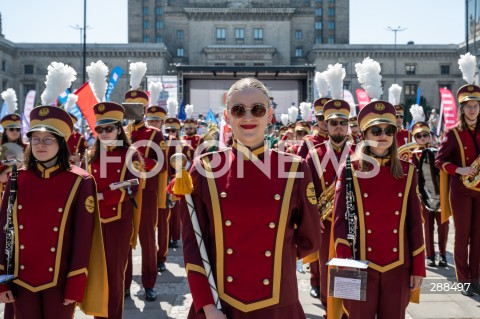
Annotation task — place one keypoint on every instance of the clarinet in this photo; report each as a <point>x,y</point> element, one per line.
<point>9,230</point>
<point>351,212</point>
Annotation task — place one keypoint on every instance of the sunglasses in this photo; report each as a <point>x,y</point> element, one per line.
<point>420,135</point>
<point>399,116</point>
<point>377,130</point>
<point>258,110</point>
<point>13,129</point>
<point>106,129</point>
<point>320,118</point>
<point>170,130</point>
<point>44,141</point>
<point>335,123</point>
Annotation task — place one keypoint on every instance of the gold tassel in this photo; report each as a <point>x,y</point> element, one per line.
<point>183,183</point>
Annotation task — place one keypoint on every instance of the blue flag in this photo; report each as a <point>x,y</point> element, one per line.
<point>419,93</point>
<point>3,113</point>
<point>114,76</point>
<point>181,112</point>
<point>75,110</point>
<point>210,118</point>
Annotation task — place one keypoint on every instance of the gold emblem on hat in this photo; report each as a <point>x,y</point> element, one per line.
<point>101,107</point>
<point>14,117</point>
<point>134,94</point>
<point>323,101</point>
<point>337,103</point>
<point>379,107</point>
<point>311,194</point>
<point>153,109</point>
<point>470,88</point>
<point>44,111</point>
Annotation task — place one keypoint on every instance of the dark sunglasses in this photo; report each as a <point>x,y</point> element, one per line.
<point>399,116</point>
<point>106,129</point>
<point>335,123</point>
<point>170,130</point>
<point>239,111</point>
<point>13,129</point>
<point>320,118</point>
<point>377,130</point>
<point>420,135</point>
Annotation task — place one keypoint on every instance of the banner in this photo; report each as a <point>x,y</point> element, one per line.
<point>114,76</point>
<point>86,101</point>
<point>210,118</point>
<point>62,98</point>
<point>448,108</point>
<point>348,97</point>
<point>362,98</point>
<point>27,108</point>
<point>419,94</point>
<point>182,116</point>
<point>3,113</point>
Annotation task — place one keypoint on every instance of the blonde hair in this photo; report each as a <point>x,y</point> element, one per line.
<point>247,83</point>
<point>462,123</point>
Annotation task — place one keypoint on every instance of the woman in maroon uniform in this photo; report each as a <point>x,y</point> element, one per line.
<point>390,234</point>
<point>258,212</point>
<point>459,150</point>
<point>56,226</point>
<point>421,135</point>
<point>119,162</point>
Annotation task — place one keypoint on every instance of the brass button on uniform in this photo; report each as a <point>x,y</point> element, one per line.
<point>394,250</point>
<point>223,194</point>
<point>271,225</point>
<point>277,197</point>
<point>365,195</point>
<point>266,282</point>
<point>52,249</point>
<point>50,269</point>
<point>395,231</point>
<point>22,267</point>
<point>268,253</point>
<point>19,207</point>
<point>118,171</point>
<point>369,231</point>
<point>229,251</point>
<point>229,278</point>
<point>228,223</point>
<point>367,213</point>
<point>397,212</point>
<point>400,194</point>
<point>55,228</point>
<point>20,226</point>
<point>369,248</point>
<point>22,247</point>
<point>60,210</point>
<point>114,208</point>
<point>94,170</point>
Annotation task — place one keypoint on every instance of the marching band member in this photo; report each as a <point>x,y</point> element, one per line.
<point>403,136</point>
<point>57,227</point>
<point>191,136</point>
<point>120,219</point>
<point>153,153</point>
<point>390,234</point>
<point>355,135</point>
<point>255,224</point>
<point>76,143</point>
<point>302,128</point>
<point>321,135</point>
<point>324,161</point>
<point>458,153</point>
<point>421,134</point>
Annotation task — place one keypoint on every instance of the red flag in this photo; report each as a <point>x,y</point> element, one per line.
<point>86,101</point>
<point>448,107</point>
<point>362,98</point>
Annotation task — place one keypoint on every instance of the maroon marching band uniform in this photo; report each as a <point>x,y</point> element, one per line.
<point>309,142</point>
<point>150,194</point>
<point>195,140</point>
<point>252,249</point>
<point>403,137</point>
<point>77,144</point>
<point>322,181</point>
<point>116,208</point>
<point>458,150</point>
<point>390,234</point>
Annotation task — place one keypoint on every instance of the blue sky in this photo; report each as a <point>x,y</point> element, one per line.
<point>50,21</point>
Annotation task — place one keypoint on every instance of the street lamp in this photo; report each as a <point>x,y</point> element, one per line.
<point>395,30</point>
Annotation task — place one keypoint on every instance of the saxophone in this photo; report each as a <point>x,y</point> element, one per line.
<point>472,182</point>
<point>325,202</point>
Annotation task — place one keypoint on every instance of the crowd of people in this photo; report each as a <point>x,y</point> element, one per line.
<point>261,203</point>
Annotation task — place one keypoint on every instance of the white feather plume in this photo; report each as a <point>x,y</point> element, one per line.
<point>97,75</point>
<point>305,110</point>
<point>394,92</point>
<point>71,101</point>
<point>468,66</point>
<point>10,98</point>
<point>189,110</point>
<point>284,119</point>
<point>417,112</point>
<point>172,106</point>
<point>155,89</point>
<point>321,84</point>
<point>59,78</point>
<point>368,74</point>
<point>334,77</point>
<point>137,72</point>
<point>293,114</point>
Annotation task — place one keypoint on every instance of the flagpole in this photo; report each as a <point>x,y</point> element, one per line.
<point>440,119</point>
<point>84,60</point>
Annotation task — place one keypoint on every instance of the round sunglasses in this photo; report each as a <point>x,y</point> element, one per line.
<point>421,135</point>
<point>106,129</point>
<point>389,130</point>
<point>258,110</point>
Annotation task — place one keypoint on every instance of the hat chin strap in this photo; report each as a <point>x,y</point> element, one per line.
<point>50,162</point>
